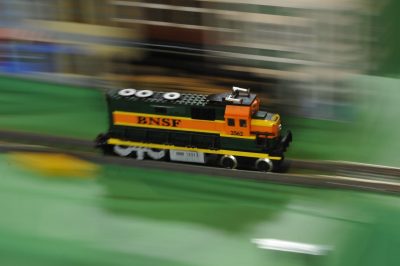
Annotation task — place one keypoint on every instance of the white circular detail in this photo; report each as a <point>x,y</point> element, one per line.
<point>127,92</point>
<point>171,95</point>
<point>156,154</point>
<point>123,151</point>
<point>144,93</point>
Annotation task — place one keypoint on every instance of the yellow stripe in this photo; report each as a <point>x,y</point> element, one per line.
<point>168,128</point>
<point>185,129</point>
<point>263,123</point>
<point>236,136</point>
<point>113,141</point>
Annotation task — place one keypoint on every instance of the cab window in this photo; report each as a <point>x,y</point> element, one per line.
<point>231,122</point>
<point>243,123</point>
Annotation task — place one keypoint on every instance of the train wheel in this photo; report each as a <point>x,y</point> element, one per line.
<point>228,161</point>
<point>264,165</point>
<point>122,150</point>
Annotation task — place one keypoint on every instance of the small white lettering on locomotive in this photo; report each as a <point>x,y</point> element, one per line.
<point>187,156</point>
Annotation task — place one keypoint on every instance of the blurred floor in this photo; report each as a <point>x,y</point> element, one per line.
<point>134,216</point>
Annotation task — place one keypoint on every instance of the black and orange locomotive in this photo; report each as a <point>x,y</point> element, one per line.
<point>228,128</point>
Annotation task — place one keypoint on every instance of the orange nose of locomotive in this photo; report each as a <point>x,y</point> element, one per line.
<point>266,125</point>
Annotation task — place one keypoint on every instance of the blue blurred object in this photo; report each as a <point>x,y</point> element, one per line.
<point>35,57</point>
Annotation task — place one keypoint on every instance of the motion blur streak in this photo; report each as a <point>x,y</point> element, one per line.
<point>55,164</point>
<point>289,246</point>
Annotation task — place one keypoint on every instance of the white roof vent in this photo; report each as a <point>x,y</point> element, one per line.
<point>127,92</point>
<point>144,93</point>
<point>171,95</point>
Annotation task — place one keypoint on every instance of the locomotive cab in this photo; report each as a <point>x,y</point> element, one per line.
<point>244,118</point>
<point>237,120</point>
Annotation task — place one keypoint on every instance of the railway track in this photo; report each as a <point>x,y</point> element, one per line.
<point>343,175</point>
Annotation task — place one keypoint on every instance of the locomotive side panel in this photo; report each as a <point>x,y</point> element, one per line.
<point>167,137</point>
<point>229,126</point>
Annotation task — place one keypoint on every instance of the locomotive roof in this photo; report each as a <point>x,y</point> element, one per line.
<point>157,97</point>
<point>192,99</point>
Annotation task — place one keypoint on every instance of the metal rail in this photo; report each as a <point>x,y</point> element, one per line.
<point>85,149</point>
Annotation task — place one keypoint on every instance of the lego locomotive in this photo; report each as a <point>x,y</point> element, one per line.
<point>225,128</point>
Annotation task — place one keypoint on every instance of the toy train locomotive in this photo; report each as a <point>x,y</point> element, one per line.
<point>224,128</point>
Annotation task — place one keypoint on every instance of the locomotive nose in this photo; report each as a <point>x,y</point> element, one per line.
<point>269,124</point>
